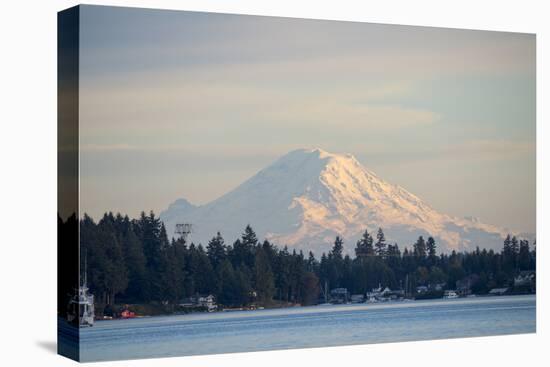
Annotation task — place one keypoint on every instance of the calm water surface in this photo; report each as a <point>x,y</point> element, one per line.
<point>302,327</point>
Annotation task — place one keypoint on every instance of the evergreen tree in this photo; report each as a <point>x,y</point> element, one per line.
<point>431,247</point>
<point>312,263</point>
<point>364,246</point>
<point>136,264</point>
<point>507,248</point>
<point>338,248</point>
<point>249,237</point>
<point>283,274</point>
<point>524,257</point>
<point>514,246</point>
<point>206,275</point>
<point>173,288</point>
<point>201,276</point>
<point>336,260</point>
<point>393,250</point>
<point>509,255</point>
<point>420,248</point>
<point>380,243</point>
<point>271,253</point>
<point>114,275</point>
<point>324,270</point>
<point>149,230</point>
<point>533,264</point>
<point>393,260</point>
<point>216,250</point>
<point>243,251</point>
<point>265,286</point>
<point>228,287</point>
<point>347,280</point>
<point>243,291</point>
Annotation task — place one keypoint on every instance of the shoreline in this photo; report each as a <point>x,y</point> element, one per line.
<point>331,307</point>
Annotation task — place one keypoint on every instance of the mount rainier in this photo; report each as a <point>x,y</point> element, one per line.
<point>309,196</point>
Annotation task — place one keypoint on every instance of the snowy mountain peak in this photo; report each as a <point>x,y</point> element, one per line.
<point>308,196</point>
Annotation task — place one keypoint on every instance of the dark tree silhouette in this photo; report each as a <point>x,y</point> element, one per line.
<point>132,261</point>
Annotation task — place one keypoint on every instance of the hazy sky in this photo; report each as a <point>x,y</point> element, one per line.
<point>182,104</point>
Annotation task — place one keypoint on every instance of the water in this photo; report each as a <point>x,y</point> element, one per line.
<point>303,327</point>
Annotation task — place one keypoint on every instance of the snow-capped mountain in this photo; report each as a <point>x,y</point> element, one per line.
<point>309,196</point>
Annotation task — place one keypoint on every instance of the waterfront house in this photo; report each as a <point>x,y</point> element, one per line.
<point>525,278</point>
<point>339,295</point>
<point>422,289</point>
<point>384,294</point>
<point>375,294</point>
<point>207,302</point>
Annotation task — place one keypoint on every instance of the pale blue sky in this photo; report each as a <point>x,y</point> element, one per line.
<point>184,104</point>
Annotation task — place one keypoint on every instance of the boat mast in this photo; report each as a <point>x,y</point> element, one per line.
<point>85,267</point>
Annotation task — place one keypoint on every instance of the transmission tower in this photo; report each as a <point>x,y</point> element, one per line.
<point>183,230</point>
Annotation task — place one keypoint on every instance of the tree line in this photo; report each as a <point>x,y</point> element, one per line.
<point>134,261</point>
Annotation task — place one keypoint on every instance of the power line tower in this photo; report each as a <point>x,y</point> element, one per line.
<point>183,230</point>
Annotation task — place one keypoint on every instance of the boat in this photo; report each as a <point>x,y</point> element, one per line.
<point>81,307</point>
<point>127,314</point>
<point>450,294</point>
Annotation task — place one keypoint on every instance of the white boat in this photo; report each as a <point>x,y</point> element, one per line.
<point>450,294</point>
<point>81,306</point>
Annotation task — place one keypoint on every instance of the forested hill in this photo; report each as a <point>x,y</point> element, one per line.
<point>133,261</point>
